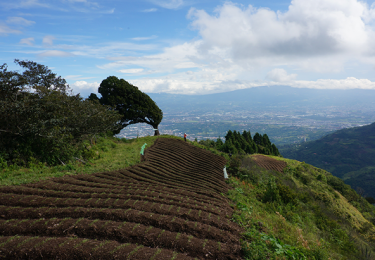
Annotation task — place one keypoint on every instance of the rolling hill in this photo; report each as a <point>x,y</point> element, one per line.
<point>348,154</point>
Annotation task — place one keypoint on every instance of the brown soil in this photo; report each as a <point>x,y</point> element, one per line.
<point>269,163</point>
<point>168,207</point>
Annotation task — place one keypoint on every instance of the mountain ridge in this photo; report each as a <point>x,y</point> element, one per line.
<point>345,153</point>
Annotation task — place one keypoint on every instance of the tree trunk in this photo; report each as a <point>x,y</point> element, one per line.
<point>156,132</point>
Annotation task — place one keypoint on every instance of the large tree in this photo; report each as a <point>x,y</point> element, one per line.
<point>40,118</point>
<point>134,105</point>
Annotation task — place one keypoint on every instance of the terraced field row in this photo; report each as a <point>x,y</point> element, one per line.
<point>168,207</point>
<point>269,163</point>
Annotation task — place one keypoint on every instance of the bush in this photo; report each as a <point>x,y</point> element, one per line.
<point>286,194</point>
<point>3,163</point>
<point>272,192</point>
<point>234,165</point>
<point>321,177</point>
<point>337,184</point>
<point>305,179</point>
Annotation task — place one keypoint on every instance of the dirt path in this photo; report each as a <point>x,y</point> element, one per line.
<point>168,207</point>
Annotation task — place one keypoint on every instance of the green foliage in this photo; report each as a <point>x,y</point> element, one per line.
<point>133,105</point>
<point>106,154</point>
<point>42,120</point>
<point>347,153</point>
<point>237,143</point>
<point>284,218</point>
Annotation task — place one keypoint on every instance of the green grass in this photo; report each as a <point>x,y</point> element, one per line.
<point>298,215</point>
<point>108,154</point>
<point>303,213</point>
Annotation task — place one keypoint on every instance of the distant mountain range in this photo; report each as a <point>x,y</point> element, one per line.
<point>348,154</point>
<point>266,96</point>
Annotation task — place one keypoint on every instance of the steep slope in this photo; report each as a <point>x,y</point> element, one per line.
<point>168,207</point>
<point>299,212</point>
<point>344,151</point>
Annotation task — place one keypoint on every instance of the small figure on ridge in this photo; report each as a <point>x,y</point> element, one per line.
<point>185,137</point>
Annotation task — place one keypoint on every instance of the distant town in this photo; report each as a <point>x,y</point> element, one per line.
<point>283,126</point>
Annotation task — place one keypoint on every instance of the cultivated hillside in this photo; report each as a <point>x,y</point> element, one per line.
<point>175,204</point>
<point>170,206</point>
<point>348,154</point>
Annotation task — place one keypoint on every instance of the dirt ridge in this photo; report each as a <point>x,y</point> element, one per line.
<point>170,206</point>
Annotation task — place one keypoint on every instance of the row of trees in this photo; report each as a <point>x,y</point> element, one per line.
<point>235,143</point>
<point>41,119</point>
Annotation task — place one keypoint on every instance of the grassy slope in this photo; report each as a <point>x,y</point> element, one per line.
<point>348,150</point>
<point>300,213</point>
<point>297,214</point>
<point>107,155</point>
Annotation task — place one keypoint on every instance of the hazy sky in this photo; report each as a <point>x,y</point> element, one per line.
<point>194,46</point>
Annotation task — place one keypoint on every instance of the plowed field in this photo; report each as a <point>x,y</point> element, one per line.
<point>167,207</point>
<point>269,163</point>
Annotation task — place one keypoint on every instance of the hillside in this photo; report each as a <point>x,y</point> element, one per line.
<point>347,153</point>
<point>175,204</point>
<point>294,209</point>
<point>168,207</point>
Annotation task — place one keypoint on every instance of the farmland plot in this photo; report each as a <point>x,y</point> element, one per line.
<point>269,163</point>
<point>168,207</point>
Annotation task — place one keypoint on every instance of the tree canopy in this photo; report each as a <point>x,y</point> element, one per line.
<point>134,105</point>
<point>235,142</point>
<point>41,118</point>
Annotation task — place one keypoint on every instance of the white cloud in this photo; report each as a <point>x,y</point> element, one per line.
<point>77,77</point>
<point>150,10</point>
<point>144,38</point>
<point>55,53</point>
<point>131,71</point>
<point>310,29</point>
<point>86,2</point>
<point>76,1</point>
<point>172,58</point>
<point>348,83</point>
<point>241,47</point>
<point>19,21</point>
<point>48,40</point>
<point>27,41</point>
<point>83,85</point>
<point>177,85</point>
<point>5,30</point>
<point>169,4</point>
<point>23,4</point>
<point>280,75</point>
<point>85,88</point>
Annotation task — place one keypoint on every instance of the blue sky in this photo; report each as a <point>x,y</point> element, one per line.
<point>195,46</point>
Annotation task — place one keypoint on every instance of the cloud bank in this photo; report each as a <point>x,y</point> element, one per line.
<point>313,44</point>
<point>243,46</point>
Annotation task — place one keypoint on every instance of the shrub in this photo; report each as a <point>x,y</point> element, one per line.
<point>286,194</point>
<point>234,165</point>
<point>272,192</point>
<point>3,163</point>
<point>337,184</point>
<point>305,179</point>
<point>321,177</point>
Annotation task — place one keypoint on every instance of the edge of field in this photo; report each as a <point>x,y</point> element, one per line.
<point>108,154</point>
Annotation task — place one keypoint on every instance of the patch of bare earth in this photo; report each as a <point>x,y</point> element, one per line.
<point>269,163</point>
<point>167,207</point>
